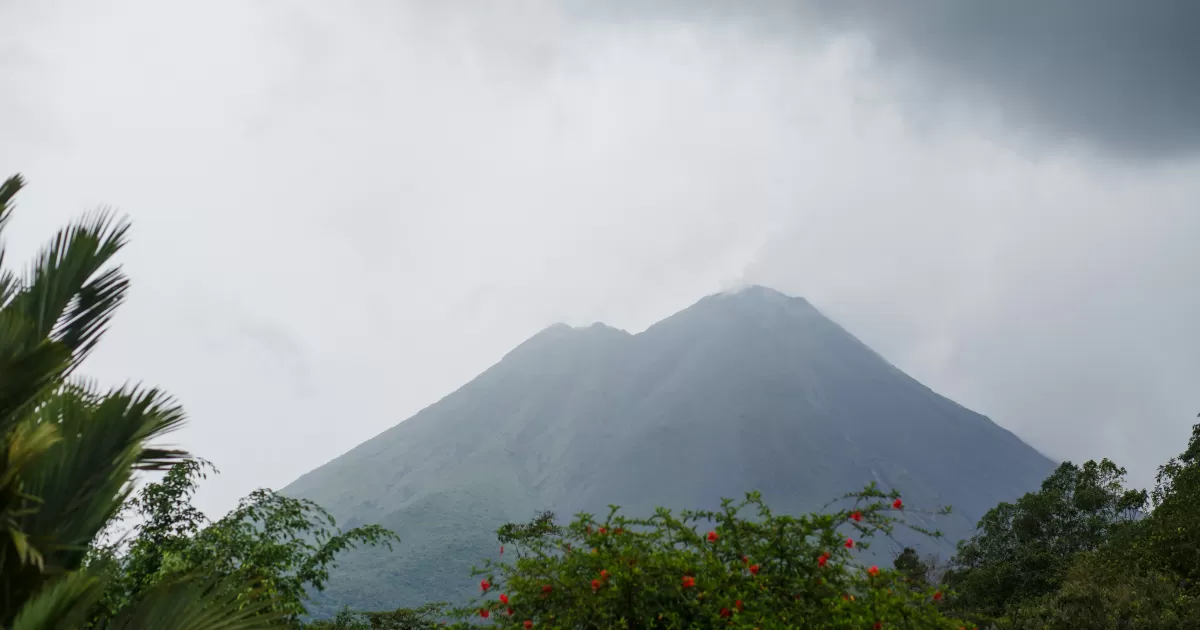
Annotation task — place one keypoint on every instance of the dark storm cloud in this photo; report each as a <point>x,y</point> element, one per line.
<point>1119,75</point>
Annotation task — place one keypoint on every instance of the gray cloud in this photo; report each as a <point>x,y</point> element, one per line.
<point>1117,75</point>
<point>340,215</point>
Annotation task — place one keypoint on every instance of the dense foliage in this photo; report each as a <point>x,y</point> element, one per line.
<point>283,546</point>
<point>1085,552</point>
<point>706,570</point>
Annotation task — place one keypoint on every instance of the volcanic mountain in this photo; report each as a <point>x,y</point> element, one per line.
<point>752,390</point>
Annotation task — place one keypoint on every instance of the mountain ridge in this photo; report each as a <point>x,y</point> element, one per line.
<point>746,390</point>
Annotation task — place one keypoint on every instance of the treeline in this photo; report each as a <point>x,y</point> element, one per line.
<point>1084,551</point>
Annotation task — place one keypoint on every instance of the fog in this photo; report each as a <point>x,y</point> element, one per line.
<point>343,214</point>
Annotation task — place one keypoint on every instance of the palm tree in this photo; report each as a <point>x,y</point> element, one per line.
<point>70,451</point>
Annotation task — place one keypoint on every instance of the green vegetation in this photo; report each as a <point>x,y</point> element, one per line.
<point>1083,551</point>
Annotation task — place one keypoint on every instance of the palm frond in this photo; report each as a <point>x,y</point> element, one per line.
<point>198,603</point>
<point>63,604</point>
<point>62,294</point>
<point>8,190</point>
<point>85,477</point>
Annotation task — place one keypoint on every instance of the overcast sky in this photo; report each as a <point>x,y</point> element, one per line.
<point>344,211</point>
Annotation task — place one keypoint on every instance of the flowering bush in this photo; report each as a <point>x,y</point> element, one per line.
<point>704,570</point>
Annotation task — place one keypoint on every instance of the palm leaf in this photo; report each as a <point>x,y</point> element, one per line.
<point>198,603</point>
<point>84,478</point>
<point>63,604</point>
<point>8,190</point>
<point>62,294</point>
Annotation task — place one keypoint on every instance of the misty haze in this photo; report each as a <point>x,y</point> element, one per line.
<point>362,315</point>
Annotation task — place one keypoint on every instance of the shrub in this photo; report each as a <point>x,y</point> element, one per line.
<point>704,570</point>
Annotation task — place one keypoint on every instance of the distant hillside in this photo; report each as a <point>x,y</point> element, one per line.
<point>752,390</point>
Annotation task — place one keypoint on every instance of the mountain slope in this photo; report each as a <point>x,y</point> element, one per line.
<point>745,391</point>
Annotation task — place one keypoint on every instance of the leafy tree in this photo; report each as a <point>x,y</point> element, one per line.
<point>1101,591</point>
<point>909,565</point>
<point>1173,527</point>
<point>70,450</point>
<point>1023,549</point>
<point>283,546</point>
<point>662,572</point>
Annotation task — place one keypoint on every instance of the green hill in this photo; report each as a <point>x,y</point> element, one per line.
<point>751,390</point>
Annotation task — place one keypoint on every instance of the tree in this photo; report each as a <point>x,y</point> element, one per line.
<point>663,572</point>
<point>1173,527</point>
<point>71,450</point>
<point>1023,549</point>
<point>283,546</point>
<point>909,565</point>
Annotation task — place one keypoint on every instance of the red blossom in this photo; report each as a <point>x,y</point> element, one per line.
<point>873,571</point>
<point>897,504</point>
<point>725,612</point>
<point>823,559</point>
<point>484,585</point>
<point>604,574</point>
<point>878,625</point>
<point>754,569</point>
<point>738,604</point>
<point>510,611</point>
<point>688,581</point>
<point>937,597</point>
<point>546,588</point>
<point>503,598</point>
<point>712,537</point>
<point>856,517</point>
<point>595,585</point>
<point>483,612</point>
<point>849,543</point>
<point>603,531</point>
<point>528,624</point>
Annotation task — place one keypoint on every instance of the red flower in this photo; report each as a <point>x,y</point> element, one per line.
<point>688,581</point>
<point>712,537</point>
<point>483,612</point>
<point>725,612</point>
<point>528,624</point>
<point>503,598</point>
<point>745,559</point>
<point>738,604</point>
<point>754,569</point>
<point>878,625</point>
<point>823,559</point>
<point>937,597</point>
<point>856,517</point>
<point>897,504</point>
<point>603,530</point>
<point>873,571</point>
<point>595,585</point>
<point>604,574</point>
<point>484,585</point>
<point>546,588</point>
<point>510,611</point>
<point>849,543</point>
